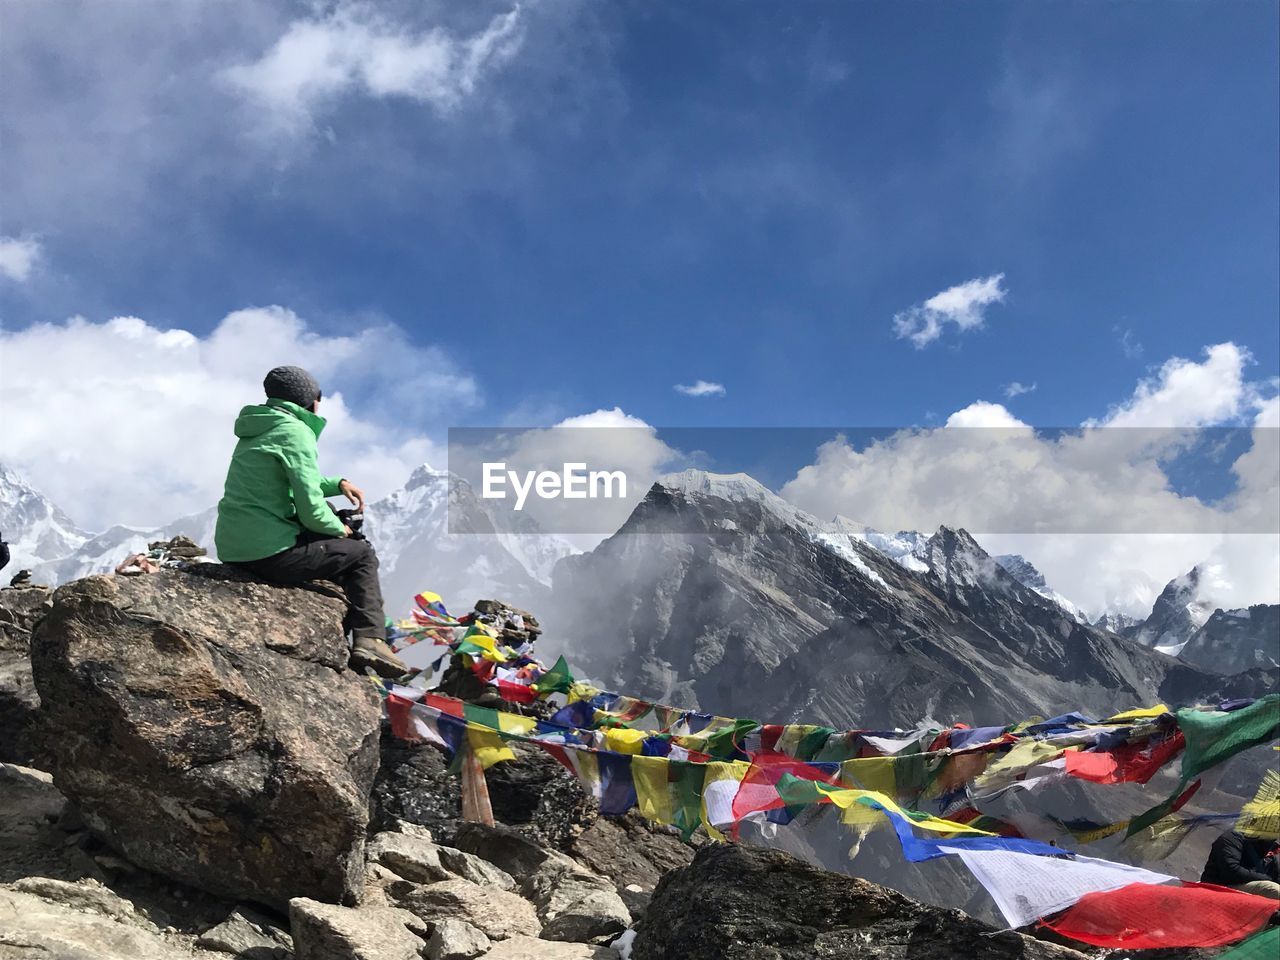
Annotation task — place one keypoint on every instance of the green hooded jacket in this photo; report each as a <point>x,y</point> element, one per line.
<point>274,489</point>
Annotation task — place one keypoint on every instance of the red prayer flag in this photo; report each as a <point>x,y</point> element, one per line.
<point>1131,763</point>
<point>759,788</point>
<point>1150,916</point>
<point>516,692</point>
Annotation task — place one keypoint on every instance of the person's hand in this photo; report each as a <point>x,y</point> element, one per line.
<point>352,493</point>
<point>346,531</point>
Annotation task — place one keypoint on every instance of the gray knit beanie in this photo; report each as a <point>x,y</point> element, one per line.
<point>293,384</point>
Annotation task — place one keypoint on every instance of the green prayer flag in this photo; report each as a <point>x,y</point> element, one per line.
<point>556,680</point>
<point>1261,946</point>
<point>1213,736</point>
<point>725,743</point>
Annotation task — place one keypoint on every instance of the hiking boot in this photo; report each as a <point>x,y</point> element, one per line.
<point>372,652</point>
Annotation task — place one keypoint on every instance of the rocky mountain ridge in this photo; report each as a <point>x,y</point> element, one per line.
<point>230,794</point>
<point>719,594</point>
<point>433,533</point>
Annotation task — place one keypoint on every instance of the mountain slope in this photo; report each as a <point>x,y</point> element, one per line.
<point>1177,614</point>
<point>35,528</point>
<point>102,552</point>
<point>436,534</point>
<point>719,594</point>
<point>1234,640</point>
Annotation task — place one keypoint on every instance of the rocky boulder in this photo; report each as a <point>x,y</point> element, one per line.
<point>208,729</point>
<point>734,902</point>
<point>20,607</point>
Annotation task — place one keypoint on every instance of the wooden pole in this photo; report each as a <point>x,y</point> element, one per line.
<point>475,790</point>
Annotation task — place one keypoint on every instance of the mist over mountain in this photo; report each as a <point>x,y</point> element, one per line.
<point>718,593</point>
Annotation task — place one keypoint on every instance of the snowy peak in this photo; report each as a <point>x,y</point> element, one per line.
<point>905,548</point>
<point>1023,570</point>
<point>434,533</point>
<point>1181,609</point>
<point>36,529</point>
<point>1116,622</point>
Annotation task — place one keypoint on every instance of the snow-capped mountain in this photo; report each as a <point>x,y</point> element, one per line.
<point>102,552</point>
<point>906,547</point>
<point>435,534</point>
<point>717,593</point>
<point>1025,572</point>
<point>1116,622</point>
<point>35,528</point>
<point>417,547</point>
<point>1179,611</point>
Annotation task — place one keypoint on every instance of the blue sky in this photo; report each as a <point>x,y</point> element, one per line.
<point>649,194</point>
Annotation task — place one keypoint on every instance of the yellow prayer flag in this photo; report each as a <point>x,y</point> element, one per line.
<point>1142,713</point>
<point>488,746</point>
<point>622,740</point>
<point>514,723</point>
<point>870,773</point>
<point>653,789</point>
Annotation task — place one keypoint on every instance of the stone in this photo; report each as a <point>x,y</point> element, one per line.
<point>575,904</point>
<point>20,607</point>
<point>529,948</point>
<point>323,931</point>
<point>248,934</point>
<point>496,913</point>
<point>412,830</point>
<point>533,793</point>
<point>38,928</point>
<point>88,896</point>
<point>506,848</point>
<point>453,939</point>
<point>425,862</point>
<point>476,869</point>
<point>633,852</point>
<point>735,902</point>
<point>208,730</point>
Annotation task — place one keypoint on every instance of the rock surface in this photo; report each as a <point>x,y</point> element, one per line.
<point>508,848</point>
<point>20,607</point>
<point>455,940</point>
<point>33,927</point>
<point>208,729</point>
<point>423,861</point>
<point>323,931</point>
<point>734,902</point>
<point>530,948</point>
<point>249,935</point>
<point>496,913</point>
<point>575,904</point>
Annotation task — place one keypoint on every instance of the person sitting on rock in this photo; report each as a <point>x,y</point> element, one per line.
<point>1244,863</point>
<point>275,523</point>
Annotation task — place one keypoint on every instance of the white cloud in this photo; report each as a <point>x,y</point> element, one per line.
<point>354,48</point>
<point>1017,389</point>
<point>964,305</point>
<point>701,388</point>
<point>1096,511</point>
<point>18,257</point>
<point>1188,394</point>
<point>982,414</point>
<point>124,422</point>
<point>604,440</point>
<point>1129,344</point>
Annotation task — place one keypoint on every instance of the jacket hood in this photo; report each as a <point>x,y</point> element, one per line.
<point>258,418</point>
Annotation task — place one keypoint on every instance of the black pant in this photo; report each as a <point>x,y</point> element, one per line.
<point>351,564</point>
